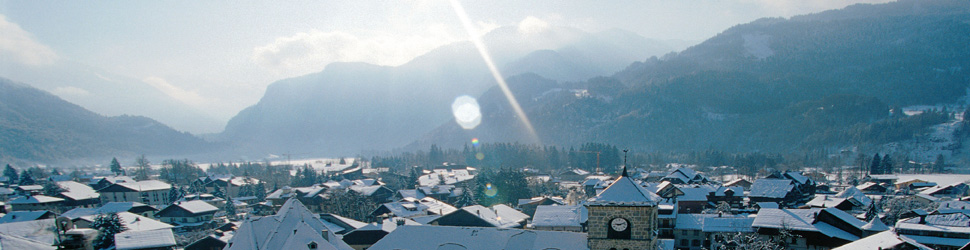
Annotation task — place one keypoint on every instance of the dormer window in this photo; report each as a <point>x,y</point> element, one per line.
<point>312,245</point>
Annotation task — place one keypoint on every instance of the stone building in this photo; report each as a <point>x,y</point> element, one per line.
<point>623,216</point>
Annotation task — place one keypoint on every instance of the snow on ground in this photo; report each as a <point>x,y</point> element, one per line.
<point>940,139</point>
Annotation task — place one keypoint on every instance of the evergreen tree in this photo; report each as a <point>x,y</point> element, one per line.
<point>26,179</point>
<point>116,167</point>
<point>230,208</point>
<point>887,165</point>
<point>342,161</point>
<point>217,192</point>
<point>107,225</point>
<point>260,192</point>
<point>174,194</point>
<point>52,189</point>
<point>11,174</point>
<point>875,165</point>
<point>467,197</point>
<point>940,164</point>
<point>54,171</point>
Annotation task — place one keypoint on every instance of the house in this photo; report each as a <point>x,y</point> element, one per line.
<point>884,240</point>
<point>376,193</point>
<point>667,219</point>
<point>780,191</point>
<point>346,224</point>
<point>560,218</point>
<point>574,175</point>
<point>77,195</point>
<point>804,186</point>
<point>528,206</point>
<point>234,184</point>
<point>36,202</point>
<point>8,241</point>
<point>27,190</point>
<point>949,207</point>
<point>20,216</point>
<point>683,175</point>
<point>113,207</point>
<point>151,192</point>
<point>188,215</point>
<point>131,221</point>
<point>411,207</point>
<point>698,231</point>
<point>302,230</point>
<point>209,242</point>
<point>872,188</point>
<point>5,193</point>
<point>145,240</point>
<point>442,237</point>
<point>479,216</point>
<point>938,231</point>
<point>855,194</point>
<point>692,198</point>
<point>744,184</point>
<point>816,228</point>
<point>953,190</point>
<point>826,201</point>
<point>364,237</point>
<point>104,181</point>
<point>733,196</point>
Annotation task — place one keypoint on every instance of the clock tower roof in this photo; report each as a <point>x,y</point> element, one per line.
<point>625,192</point>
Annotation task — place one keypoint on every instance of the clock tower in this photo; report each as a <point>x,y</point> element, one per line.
<point>623,216</point>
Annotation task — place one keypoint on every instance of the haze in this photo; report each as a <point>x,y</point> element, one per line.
<point>194,65</point>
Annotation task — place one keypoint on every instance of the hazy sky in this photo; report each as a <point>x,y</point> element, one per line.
<point>219,56</point>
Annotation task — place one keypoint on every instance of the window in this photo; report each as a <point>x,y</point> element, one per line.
<point>696,233</point>
<point>312,245</point>
<point>695,243</point>
<point>684,242</point>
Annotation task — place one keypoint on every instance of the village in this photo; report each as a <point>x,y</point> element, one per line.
<point>679,208</point>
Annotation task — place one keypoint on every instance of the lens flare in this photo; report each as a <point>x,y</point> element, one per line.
<point>480,156</point>
<point>483,51</point>
<point>467,112</point>
<point>475,142</point>
<point>489,191</point>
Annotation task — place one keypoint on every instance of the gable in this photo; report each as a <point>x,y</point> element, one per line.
<point>461,217</point>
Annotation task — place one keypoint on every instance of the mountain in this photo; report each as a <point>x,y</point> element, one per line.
<point>38,127</point>
<point>350,107</point>
<point>110,94</point>
<point>829,80</point>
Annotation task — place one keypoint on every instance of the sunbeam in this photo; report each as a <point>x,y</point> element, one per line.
<point>483,51</point>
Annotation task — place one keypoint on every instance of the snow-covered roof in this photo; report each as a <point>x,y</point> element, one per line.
<point>798,177</point>
<point>559,216</point>
<point>498,215</point>
<point>444,176</point>
<point>949,207</point>
<point>135,222</point>
<point>19,216</point>
<point>767,204</point>
<point>36,230</point>
<point>110,207</point>
<point>875,225</point>
<point>111,179</point>
<point>31,187</point>
<point>695,192</point>
<point>938,188</point>
<point>446,237</point>
<point>144,239</point>
<point>824,201</point>
<point>148,185</point>
<point>292,227</point>
<point>853,192</point>
<point>78,191</point>
<point>195,207</point>
<point>771,188</point>
<point>625,192</point>
<point>735,182</point>
<point>884,240</point>
<point>35,199</point>
<point>8,241</point>
<point>714,223</point>
<point>805,220</point>
<point>365,190</point>
<point>956,222</point>
<point>411,207</point>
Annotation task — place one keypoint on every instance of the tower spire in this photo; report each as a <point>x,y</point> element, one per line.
<point>624,174</point>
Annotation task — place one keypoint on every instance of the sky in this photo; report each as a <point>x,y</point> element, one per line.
<point>217,57</point>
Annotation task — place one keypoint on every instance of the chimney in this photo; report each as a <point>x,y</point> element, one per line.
<point>922,219</point>
<point>325,233</point>
<point>400,222</point>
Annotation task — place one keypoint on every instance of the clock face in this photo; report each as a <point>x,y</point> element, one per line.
<point>619,224</point>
